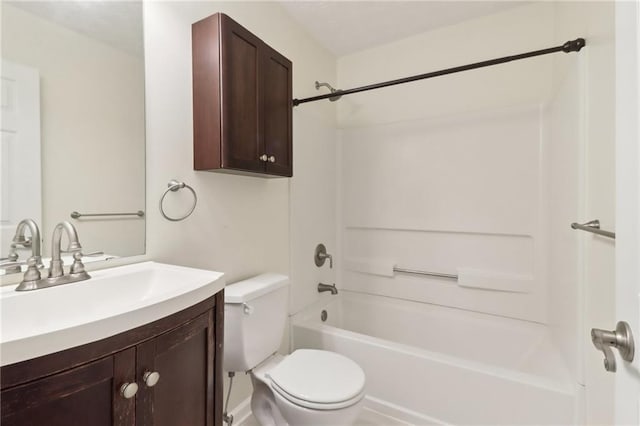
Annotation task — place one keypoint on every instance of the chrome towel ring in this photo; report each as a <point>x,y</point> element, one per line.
<point>173,186</point>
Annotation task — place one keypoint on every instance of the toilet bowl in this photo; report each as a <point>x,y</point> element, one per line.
<point>308,387</point>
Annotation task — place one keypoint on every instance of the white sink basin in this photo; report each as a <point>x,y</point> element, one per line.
<point>39,322</point>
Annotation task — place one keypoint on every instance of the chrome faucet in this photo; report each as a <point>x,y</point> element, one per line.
<point>32,280</point>
<point>55,268</point>
<point>321,255</point>
<point>11,263</point>
<point>327,287</point>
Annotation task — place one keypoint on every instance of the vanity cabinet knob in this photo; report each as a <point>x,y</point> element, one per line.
<point>151,378</point>
<point>263,157</point>
<point>129,390</point>
<point>272,158</point>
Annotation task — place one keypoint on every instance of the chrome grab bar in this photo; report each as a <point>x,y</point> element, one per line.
<point>431,274</point>
<point>76,215</point>
<point>593,226</point>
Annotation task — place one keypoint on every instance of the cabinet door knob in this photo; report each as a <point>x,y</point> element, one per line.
<point>128,390</point>
<point>151,378</point>
<point>263,157</point>
<point>272,158</point>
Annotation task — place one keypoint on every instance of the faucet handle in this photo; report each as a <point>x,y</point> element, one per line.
<point>33,272</point>
<point>321,255</point>
<point>328,256</point>
<point>31,277</point>
<point>13,255</point>
<point>77,267</point>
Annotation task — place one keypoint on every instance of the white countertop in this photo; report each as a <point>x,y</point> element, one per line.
<point>40,322</point>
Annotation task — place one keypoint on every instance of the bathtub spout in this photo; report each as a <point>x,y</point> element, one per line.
<point>326,287</point>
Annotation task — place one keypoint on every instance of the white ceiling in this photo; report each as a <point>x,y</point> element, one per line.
<point>345,27</point>
<point>117,23</point>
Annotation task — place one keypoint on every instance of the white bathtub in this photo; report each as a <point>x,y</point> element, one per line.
<point>438,365</point>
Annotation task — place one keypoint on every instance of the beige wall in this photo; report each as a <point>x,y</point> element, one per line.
<point>92,115</point>
<point>242,226</point>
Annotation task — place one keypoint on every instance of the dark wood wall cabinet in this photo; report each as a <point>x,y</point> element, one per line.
<point>242,101</point>
<point>168,372</point>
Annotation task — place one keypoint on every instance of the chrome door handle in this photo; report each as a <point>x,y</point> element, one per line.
<point>263,157</point>
<point>621,338</point>
<point>272,159</point>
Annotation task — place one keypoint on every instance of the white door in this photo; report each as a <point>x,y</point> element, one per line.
<point>20,184</point>
<point>612,292</point>
<point>627,378</point>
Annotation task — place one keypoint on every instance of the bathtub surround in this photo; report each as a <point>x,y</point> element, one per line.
<point>460,213</point>
<point>485,171</point>
<point>457,173</point>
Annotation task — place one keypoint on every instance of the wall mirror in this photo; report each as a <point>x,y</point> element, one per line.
<point>73,133</point>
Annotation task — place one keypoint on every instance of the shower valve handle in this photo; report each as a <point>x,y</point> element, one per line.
<point>621,338</point>
<point>321,255</point>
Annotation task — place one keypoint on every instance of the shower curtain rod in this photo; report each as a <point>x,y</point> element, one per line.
<point>570,46</point>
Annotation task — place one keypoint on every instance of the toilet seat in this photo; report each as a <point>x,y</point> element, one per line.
<point>315,405</point>
<point>318,380</point>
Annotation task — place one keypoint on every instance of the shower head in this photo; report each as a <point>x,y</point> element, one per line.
<point>327,85</point>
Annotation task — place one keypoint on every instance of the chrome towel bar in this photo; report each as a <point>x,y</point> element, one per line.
<point>431,274</point>
<point>593,226</point>
<point>76,215</point>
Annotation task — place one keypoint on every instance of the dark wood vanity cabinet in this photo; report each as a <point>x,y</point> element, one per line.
<point>180,356</point>
<point>242,101</point>
<point>83,385</point>
<point>83,395</point>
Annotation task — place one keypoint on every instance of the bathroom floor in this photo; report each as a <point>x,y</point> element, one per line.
<point>367,418</point>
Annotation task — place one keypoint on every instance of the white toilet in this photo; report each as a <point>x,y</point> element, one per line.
<point>308,387</point>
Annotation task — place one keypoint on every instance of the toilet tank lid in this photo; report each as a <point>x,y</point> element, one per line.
<point>243,291</point>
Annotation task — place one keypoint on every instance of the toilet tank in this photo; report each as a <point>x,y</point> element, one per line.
<point>255,315</point>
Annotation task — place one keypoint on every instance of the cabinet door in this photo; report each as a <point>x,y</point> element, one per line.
<point>242,141</point>
<point>277,111</point>
<point>184,360</point>
<point>85,395</point>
